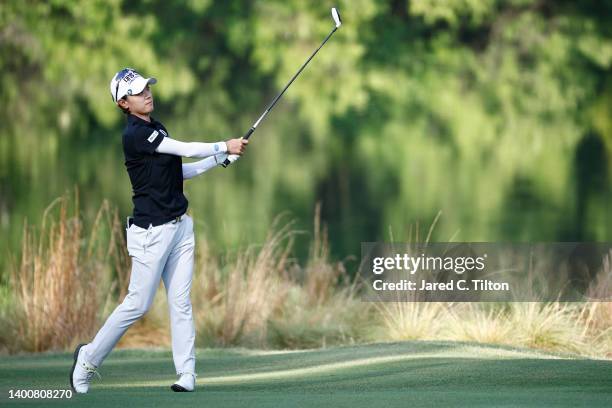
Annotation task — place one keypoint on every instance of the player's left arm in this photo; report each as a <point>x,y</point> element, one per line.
<point>201,150</point>
<point>190,149</point>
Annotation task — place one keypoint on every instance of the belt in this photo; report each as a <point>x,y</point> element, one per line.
<point>130,221</point>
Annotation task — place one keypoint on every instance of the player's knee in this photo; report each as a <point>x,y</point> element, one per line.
<point>142,309</point>
<point>138,306</point>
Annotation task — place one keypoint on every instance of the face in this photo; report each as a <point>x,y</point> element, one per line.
<point>141,103</point>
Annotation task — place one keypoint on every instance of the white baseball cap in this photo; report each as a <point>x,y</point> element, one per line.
<point>128,82</point>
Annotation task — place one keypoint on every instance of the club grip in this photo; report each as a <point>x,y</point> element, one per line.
<point>249,133</point>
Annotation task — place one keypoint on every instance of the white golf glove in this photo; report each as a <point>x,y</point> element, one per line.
<point>220,158</point>
<point>232,157</point>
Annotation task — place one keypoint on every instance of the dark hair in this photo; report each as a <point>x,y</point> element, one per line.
<point>124,110</point>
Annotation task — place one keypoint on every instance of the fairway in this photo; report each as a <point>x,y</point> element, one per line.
<point>440,374</point>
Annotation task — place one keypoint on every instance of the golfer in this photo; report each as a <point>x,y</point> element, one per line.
<point>160,237</point>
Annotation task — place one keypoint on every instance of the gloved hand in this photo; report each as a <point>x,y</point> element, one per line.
<point>225,159</point>
<point>232,157</point>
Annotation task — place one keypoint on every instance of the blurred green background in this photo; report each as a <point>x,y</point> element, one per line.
<point>496,113</point>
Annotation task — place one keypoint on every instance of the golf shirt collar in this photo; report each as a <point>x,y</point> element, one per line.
<point>135,120</point>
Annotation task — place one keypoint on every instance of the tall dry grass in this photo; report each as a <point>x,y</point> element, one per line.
<point>577,327</point>
<point>233,303</point>
<point>56,285</point>
<point>580,327</point>
<point>323,307</point>
<point>67,281</point>
<point>264,298</point>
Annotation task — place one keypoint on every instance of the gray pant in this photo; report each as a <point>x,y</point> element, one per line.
<point>167,252</point>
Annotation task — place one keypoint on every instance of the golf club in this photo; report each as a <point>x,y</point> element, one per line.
<point>337,23</point>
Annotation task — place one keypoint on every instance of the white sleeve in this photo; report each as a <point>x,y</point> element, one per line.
<point>191,170</point>
<point>190,149</point>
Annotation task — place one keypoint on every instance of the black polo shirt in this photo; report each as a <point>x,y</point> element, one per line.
<point>157,178</point>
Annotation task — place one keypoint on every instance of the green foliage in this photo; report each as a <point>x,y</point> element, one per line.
<point>475,108</point>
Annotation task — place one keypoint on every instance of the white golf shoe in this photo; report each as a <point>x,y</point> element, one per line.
<point>82,372</point>
<point>184,384</point>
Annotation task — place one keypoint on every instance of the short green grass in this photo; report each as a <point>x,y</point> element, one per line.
<point>407,374</point>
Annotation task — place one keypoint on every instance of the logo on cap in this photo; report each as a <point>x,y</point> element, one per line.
<point>129,76</point>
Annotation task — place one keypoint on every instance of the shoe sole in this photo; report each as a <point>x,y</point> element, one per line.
<point>178,388</point>
<point>76,356</point>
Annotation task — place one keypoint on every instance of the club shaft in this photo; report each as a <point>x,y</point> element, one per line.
<point>269,108</point>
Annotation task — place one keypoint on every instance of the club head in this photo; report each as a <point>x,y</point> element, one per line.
<point>336,17</point>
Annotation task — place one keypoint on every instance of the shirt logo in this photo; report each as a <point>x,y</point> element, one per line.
<point>153,136</point>
<point>216,147</point>
<point>162,132</point>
